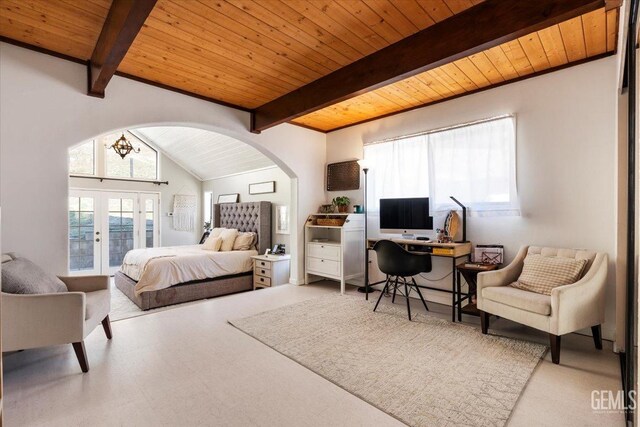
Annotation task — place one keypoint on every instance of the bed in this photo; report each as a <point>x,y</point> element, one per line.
<point>161,277</point>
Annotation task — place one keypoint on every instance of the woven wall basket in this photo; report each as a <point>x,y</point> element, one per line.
<point>343,176</point>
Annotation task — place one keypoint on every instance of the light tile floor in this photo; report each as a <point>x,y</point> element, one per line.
<point>188,366</point>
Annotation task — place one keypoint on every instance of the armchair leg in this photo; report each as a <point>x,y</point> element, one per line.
<point>597,336</point>
<point>484,322</point>
<point>106,325</point>
<point>555,348</point>
<point>81,354</point>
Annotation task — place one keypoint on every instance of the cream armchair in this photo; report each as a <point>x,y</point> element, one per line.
<point>40,320</point>
<point>569,308</point>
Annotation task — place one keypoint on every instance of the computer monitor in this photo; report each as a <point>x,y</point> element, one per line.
<point>408,216</point>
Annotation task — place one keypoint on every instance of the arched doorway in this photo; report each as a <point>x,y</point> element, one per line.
<point>188,161</point>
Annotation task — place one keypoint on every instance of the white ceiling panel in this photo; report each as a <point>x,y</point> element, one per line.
<point>206,154</point>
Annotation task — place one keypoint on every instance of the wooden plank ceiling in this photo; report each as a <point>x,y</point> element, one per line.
<point>249,52</point>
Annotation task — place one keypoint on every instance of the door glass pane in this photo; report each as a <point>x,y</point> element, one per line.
<point>148,221</point>
<point>81,233</point>
<point>120,229</point>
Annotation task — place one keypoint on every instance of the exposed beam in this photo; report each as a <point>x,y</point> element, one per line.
<point>478,28</point>
<point>121,27</point>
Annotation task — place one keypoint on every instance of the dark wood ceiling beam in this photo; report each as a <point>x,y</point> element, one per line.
<point>481,27</point>
<point>121,27</point>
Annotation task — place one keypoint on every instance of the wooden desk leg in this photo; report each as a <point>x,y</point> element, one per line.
<point>453,293</point>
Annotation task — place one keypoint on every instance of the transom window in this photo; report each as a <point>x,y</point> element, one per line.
<point>96,158</point>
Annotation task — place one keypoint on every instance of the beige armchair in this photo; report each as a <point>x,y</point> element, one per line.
<point>569,308</point>
<point>40,320</point>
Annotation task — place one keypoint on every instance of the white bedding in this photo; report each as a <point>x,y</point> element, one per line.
<point>160,268</point>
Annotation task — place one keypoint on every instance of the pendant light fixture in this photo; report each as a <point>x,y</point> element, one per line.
<point>123,147</point>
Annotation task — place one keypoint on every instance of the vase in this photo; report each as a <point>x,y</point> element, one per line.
<point>343,208</point>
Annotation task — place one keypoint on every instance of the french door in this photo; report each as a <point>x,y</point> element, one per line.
<point>104,226</point>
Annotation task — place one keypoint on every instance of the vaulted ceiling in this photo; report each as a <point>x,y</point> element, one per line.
<point>251,54</point>
<point>206,154</point>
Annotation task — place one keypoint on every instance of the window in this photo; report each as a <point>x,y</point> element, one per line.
<point>82,159</point>
<point>142,165</point>
<point>399,168</point>
<point>474,163</point>
<point>208,204</point>
<point>96,158</point>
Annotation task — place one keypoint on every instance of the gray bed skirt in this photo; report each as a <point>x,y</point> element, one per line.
<point>184,292</point>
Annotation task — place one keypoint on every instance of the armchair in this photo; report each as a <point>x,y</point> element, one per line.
<point>40,320</point>
<point>569,307</point>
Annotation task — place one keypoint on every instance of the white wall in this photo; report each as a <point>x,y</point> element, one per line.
<point>240,184</point>
<point>180,182</point>
<point>566,159</point>
<point>44,110</point>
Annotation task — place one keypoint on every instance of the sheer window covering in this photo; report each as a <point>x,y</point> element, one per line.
<point>474,163</point>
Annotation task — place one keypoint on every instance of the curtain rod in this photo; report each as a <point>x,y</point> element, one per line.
<point>102,178</point>
<point>442,129</point>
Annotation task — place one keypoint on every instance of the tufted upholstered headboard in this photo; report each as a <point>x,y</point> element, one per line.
<point>251,216</point>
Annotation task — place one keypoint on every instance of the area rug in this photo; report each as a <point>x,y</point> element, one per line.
<point>428,372</point>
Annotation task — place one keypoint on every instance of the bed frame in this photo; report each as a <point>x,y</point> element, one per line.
<point>254,217</point>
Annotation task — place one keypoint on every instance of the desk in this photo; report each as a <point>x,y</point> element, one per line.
<point>454,251</point>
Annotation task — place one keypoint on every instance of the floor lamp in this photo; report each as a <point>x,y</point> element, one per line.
<point>365,289</point>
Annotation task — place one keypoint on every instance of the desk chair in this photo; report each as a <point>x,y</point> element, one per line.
<point>397,264</point>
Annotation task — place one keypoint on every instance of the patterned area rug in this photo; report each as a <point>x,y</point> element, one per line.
<point>428,372</point>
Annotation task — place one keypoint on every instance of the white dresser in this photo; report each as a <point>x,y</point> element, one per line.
<point>270,270</point>
<point>334,246</point>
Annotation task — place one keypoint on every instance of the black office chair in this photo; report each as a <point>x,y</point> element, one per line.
<point>396,262</point>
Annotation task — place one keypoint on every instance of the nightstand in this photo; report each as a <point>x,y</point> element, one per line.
<point>270,270</point>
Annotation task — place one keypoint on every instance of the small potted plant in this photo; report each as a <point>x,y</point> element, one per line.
<point>342,202</point>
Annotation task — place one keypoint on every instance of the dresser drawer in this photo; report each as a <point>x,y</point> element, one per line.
<point>261,281</point>
<point>261,271</point>
<point>318,250</point>
<point>266,265</point>
<point>323,266</point>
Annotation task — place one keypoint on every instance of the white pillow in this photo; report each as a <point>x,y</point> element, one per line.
<point>228,239</point>
<point>212,244</point>
<point>244,241</point>
<point>216,232</point>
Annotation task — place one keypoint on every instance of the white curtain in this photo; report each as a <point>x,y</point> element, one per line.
<point>398,169</point>
<point>476,165</point>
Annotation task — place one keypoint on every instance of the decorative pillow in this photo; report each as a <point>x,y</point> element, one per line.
<point>244,241</point>
<point>21,276</point>
<point>216,232</point>
<point>228,237</point>
<point>212,244</point>
<point>541,274</point>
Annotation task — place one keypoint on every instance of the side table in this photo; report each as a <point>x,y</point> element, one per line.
<point>270,270</point>
<point>469,271</point>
